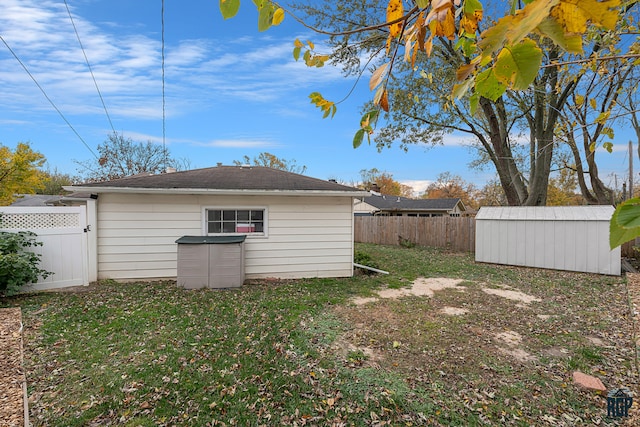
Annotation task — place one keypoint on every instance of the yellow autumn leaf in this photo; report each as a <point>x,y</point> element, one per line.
<point>603,117</point>
<point>579,100</point>
<point>298,43</point>
<point>278,16</point>
<point>394,11</point>
<point>593,103</point>
<point>574,15</point>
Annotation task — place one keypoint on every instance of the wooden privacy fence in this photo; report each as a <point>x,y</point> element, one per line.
<point>455,233</point>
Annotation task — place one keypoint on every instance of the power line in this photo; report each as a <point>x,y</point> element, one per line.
<point>89,66</point>
<point>47,96</point>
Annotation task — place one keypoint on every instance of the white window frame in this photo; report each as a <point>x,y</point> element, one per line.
<point>265,220</point>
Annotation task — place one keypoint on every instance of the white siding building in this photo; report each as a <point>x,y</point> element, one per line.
<point>573,238</point>
<point>296,226</point>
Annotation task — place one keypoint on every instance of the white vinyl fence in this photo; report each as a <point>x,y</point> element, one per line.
<point>63,233</point>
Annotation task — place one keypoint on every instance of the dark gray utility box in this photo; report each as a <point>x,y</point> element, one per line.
<point>210,261</point>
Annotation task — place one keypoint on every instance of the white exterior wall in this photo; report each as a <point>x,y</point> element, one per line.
<point>306,236</point>
<point>572,238</point>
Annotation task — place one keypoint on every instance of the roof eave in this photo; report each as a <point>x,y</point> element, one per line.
<point>219,192</point>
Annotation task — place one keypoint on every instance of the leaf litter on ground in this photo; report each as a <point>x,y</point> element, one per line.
<point>300,352</point>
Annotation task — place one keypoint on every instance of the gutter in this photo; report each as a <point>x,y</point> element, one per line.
<point>212,191</point>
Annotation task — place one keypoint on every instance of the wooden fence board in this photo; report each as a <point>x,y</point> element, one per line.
<point>455,233</point>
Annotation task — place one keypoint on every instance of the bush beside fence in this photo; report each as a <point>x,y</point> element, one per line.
<point>455,233</point>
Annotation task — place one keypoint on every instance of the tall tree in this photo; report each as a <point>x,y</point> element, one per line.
<point>19,172</point>
<point>423,110</point>
<point>54,180</point>
<point>563,188</point>
<point>450,186</point>
<point>120,157</point>
<point>526,48</point>
<point>272,161</point>
<point>491,195</point>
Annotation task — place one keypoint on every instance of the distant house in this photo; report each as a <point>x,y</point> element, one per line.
<point>295,226</point>
<point>35,200</point>
<point>31,200</point>
<point>382,205</point>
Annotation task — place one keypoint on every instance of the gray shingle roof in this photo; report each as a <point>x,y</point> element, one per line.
<point>240,178</point>
<point>387,203</point>
<point>30,200</point>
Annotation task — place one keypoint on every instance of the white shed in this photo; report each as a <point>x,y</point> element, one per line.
<point>573,238</point>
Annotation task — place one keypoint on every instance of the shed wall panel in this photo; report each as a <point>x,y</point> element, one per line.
<point>565,238</point>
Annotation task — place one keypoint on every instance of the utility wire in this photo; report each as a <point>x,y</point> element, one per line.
<point>89,66</point>
<point>164,118</point>
<point>47,96</point>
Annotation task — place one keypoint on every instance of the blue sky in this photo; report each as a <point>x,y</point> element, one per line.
<point>230,91</point>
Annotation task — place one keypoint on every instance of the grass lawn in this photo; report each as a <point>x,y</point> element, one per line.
<point>303,353</point>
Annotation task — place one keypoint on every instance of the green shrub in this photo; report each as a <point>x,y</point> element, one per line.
<point>364,258</point>
<point>18,265</point>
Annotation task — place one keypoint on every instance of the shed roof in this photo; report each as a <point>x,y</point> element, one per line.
<point>384,202</point>
<point>221,180</point>
<point>546,213</point>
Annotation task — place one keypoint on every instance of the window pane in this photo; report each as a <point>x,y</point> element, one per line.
<point>259,227</point>
<point>257,215</point>
<point>228,227</point>
<point>214,215</point>
<point>214,227</point>
<point>243,216</point>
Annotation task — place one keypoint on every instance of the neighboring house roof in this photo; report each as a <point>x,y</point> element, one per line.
<point>395,203</point>
<point>221,180</point>
<point>28,200</point>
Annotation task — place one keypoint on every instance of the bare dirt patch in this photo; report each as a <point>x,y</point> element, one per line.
<point>12,378</point>
<point>454,311</point>
<point>504,292</point>
<point>421,287</point>
<point>428,286</point>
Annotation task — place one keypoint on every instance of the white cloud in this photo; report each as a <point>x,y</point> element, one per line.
<point>240,143</point>
<point>419,186</point>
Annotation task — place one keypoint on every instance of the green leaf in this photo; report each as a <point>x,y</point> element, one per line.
<point>629,214</point>
<point>460,89</point>
<point>369,117</point>
<point>514,28</point>
<point>358,138</point>
<point>517,66</point>
<point>229,8</point>
<point>296,53</point>
<point>474,101</point>
<point>423,4</point>
<point>470,6</point>
<point>572,43</point>
<point>608,132</point>
<point>489,86</point>
<point>608,146</point>
<point>625,223</point>
<point>265,17</point>
<point>603,117</point>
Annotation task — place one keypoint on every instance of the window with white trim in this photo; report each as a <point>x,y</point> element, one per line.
<point>234,221</point>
